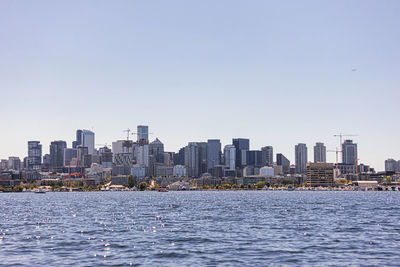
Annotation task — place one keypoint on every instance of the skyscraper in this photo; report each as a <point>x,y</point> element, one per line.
<point>192,159</point>
<point>143,133</point>
<point>213,154</point>
<point>319,153</point>
<point>34,155</point>
<point>156,149</point>
<point>57,155</point>
<point>267,154</point>
<point>301,158</point>
<point>240,144</point>
<point>142,155</point>
<point>69,154</point>
<point>349,152</point>
<point>281,160</point>
<point>78,141</point>
<point>202,157</point>
<point>14,163</point>
<point>391,165</point>
<point>230,156</point>
<point>253,158</point>
<point>88,140</point>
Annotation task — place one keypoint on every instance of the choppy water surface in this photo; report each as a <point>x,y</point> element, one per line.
<point>200,228</point>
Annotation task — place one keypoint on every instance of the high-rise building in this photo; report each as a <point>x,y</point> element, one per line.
<point>319,153</point>
<point>179,158</point>
<point>391,165</point>
<point>14,163</point>
<point>34,155</point>
<point>281,160</point>
<point>301,158</point>
<point>69,154</point>
<point>192,159</point>
<point>253,158</point>
<point>230,156</point>
<point>267,154</point>
<point>156,149</point>
<point>78,141</point>
<point>106,157</point>
<point>88,141</point>
<point>240,144</point>
<point>142,133</point>
<point>202,157</point>
<point>320,174</point>
<point>213,154</point>
<point>57,155</point>
<point>349,152</point>
<point>142,155</point>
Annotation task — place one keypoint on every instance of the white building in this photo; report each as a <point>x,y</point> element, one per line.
<point>142,155</point>
<point>88,141</point>
<point>14,163</point>
<point>138,171</point>
<point>230,156</point>
<point>267,171</point>
<point>179,171</point>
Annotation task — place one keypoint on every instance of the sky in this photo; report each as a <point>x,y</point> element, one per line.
<point>277,72</point>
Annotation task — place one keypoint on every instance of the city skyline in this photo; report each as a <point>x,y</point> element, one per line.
<point>213,148</point>
<point>278,73</point>
<point>331,157</point>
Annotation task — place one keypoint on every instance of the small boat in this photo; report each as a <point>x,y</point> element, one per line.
<point>39,191</point>
<point>162,190</point>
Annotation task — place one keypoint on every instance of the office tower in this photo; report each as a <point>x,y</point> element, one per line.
<point>82,152</point>
<point>106,157</point>
<point>240,144</point>
<point>3,164</point>
<point>254,158</point>
<point>230,156</point>
<point>267,156</point>
<point>78,141</point>
<point>88,141</point>
<point>349,152</point>
<point>34,155</point>
<point>301,158</point>
<point>213,154</point>
<point>142,155</point>
<point>156,149</point>
<point>391,165</point>
<point>319,153</point>
<point>46,161</point>
<point>192,159</point>
<point>143,133</point>
<point>57,155</point>
<point>202,157</point>
<point>69,154</point>
<point>14,163</point>
<point>179,158</point>
<point>320,174</point>
<point>281,160</point>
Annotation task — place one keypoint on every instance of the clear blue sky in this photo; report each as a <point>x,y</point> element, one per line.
<point>277,72</point>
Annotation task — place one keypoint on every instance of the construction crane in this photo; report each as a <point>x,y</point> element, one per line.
<point>337,151</point>
<point>127,135</point>
<point>129,131</point>
<point>103,145</point>
<point>341,137</point>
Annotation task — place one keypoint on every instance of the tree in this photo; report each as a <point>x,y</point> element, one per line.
<point>143,186</point>
<point>131,181</point>
<point>260,185</point>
